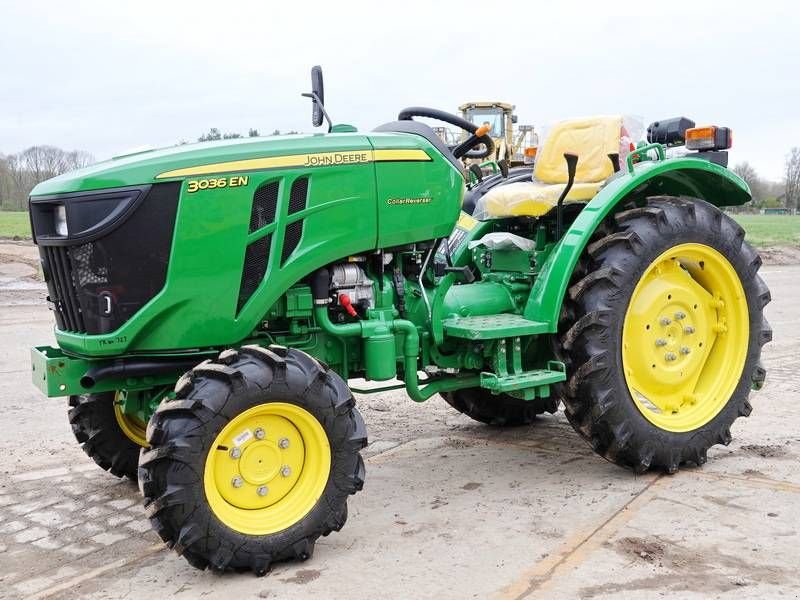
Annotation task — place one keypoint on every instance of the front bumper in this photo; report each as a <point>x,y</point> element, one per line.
<point>58,374</point>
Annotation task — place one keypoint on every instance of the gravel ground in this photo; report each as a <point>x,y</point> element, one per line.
<point>451,508</point>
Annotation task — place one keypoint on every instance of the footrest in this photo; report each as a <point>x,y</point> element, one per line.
<point>538,379</point>
<point>492,327</point>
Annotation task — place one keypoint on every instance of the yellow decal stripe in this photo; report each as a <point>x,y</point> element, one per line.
<point>400,155</point>
<point>319,159</point>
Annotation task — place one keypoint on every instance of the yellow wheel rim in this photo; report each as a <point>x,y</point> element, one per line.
<point>267,468</point>
<point>134,428</point>
<point>685,337</point>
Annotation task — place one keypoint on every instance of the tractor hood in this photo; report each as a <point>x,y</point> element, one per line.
<point>169,164</point>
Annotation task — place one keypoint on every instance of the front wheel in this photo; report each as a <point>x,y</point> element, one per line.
<point>253,460</point>
<point>665,335</point>
<point>106,433</point>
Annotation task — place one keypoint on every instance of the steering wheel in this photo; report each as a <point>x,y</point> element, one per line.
<point>480,135</point>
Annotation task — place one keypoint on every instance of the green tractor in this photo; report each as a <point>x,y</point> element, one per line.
<point>214,303</point>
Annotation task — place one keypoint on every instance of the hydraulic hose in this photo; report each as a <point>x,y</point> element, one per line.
<point>135,368</point>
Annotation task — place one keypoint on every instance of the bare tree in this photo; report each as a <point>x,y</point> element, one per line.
<point>7,187</point>
<point>22,171</point>
<point>747,172</point>
<point>792,181</point>
<point>78,159</point>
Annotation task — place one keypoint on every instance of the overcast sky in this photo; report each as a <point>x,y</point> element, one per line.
<point>108,76</point>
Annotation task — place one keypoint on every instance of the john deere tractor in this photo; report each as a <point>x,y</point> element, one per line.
<point>214,303</point>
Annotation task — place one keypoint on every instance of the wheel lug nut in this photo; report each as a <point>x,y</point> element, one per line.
<point>262,490</point>
<point>237,482</point>
<point>685,350</point>
<point>284,443</point>
<point>259,433</point>
<point>670,356</point>
<point>661,342</point>
<point>688,330</point>
<point>235,452</point>
<point>680,315</point>
<point>286,470</point>
<point>665,321</point>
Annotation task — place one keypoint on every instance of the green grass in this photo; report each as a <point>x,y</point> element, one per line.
<point>14,224</point>
<point>771,230</point>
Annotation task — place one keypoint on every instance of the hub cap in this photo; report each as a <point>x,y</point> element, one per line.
<point>685,337</point>
<point>267,468</point>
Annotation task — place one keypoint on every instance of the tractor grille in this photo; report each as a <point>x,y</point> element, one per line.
<point>263,213</point>
<point>298,198</point>
<point>256,259</point>
<point>95,285</point>
<point>265,203</point>
<point>63,294</point>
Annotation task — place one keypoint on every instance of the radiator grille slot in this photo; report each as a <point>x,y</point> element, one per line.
<point>63,295</point>
<point>291,239</point>
<point>298,198</point>
<point>256,260</point>
<point>265,203</point>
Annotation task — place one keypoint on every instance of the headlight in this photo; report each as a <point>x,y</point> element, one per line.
<point>79,217</point>
<point>60,220</point>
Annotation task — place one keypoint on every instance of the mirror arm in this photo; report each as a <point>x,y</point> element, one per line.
<point>315,98</point>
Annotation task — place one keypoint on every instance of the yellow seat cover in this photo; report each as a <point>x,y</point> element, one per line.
<point>532,199</point>
<point>592,139</point>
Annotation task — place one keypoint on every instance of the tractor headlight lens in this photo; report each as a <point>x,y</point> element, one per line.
<point>60,220</point>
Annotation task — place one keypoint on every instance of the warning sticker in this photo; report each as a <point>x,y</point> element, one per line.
<point>242,437</point>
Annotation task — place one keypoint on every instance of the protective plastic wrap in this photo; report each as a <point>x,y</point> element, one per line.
<point>502,240</point>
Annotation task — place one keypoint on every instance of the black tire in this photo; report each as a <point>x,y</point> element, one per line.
<point>182,431</point>
<point>597,401</point>
<point>501,410</point>
<point>96,429</point>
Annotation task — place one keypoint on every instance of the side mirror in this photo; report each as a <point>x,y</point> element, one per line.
<point>317,95</point>
<point>318,100</point>
<point>514,119</point>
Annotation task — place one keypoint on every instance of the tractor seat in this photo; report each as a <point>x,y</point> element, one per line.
<point>592,139</point>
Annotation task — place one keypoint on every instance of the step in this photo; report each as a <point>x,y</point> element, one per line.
<point>537,378</point>
<point>490,327</point>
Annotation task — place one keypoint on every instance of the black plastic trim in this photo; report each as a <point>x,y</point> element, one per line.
<point>421,129</point>
<point>81,212</point>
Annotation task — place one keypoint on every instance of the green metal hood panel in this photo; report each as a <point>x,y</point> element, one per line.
<point>363,192</point>
<point>144,167</point>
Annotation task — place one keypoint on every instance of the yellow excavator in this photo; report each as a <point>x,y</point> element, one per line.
<point>515,143</point>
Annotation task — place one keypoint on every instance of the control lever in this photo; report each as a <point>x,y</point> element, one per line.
<point>614,158</point>
<point>502,164</point>
<point>572,165</point>
<point>476,171</point>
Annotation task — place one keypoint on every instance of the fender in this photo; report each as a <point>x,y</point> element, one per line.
<point>685,176</point>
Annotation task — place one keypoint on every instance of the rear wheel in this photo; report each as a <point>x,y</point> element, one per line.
<point>499,410</point>
<point>111,438</point>
<point>253,460</point>
<point>665,335</point>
